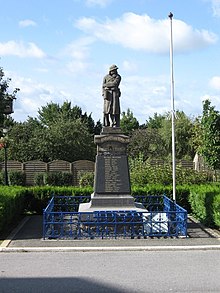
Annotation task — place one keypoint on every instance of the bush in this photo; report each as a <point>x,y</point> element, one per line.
<point>57,179</point>
<point>17,178</point>
<point>216,210</point>
<point>39,179</point>
<point>86,179</point>
<point>142,173</point>
<point>12,205</point>
<point>205,203</point>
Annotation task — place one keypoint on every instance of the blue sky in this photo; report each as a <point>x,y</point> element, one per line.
<point>60,50</point>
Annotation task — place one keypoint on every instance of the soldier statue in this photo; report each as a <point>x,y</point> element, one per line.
<point>111,94</point>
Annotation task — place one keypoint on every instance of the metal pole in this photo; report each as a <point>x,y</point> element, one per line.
<point>172,108</point>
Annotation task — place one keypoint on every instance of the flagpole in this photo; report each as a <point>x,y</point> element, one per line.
<point>172,108</point>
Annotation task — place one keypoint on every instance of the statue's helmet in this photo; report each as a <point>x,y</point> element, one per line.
<point>113,67</point>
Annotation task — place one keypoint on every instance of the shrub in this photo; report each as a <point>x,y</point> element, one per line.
<point>86,179</point>
<point>142,173</point>
<point>58,179</point>
<point>12,204</point>
<point>17,178</point>
<point>205,203</point>
<point>39,179</point>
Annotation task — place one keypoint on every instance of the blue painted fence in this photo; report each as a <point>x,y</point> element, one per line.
<point>164,218</point>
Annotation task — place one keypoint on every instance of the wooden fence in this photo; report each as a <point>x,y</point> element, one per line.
<point>31,168</point>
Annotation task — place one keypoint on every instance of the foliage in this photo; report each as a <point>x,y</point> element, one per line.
<point>183,135</point>
<point>147,142</point>
<point>67,140</point>
<point>53,179</point>
<point>210,146</point>
<point>57,179</point>
<point>5,95</point>
<point>142,173</point>
<point>12,205</point>
<point>87,179</point>
<point>216,210</point>
<point>205,203</point>
<point>51,113</point>
<point>156,121</point>
<point>17,178</point>
<point>128,122</point>
<point>39,179</point>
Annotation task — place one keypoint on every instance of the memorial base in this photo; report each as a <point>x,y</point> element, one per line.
<point>112,190</point>
<point>111,203</point>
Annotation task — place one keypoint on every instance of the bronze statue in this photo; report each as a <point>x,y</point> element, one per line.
<point>111,94</point>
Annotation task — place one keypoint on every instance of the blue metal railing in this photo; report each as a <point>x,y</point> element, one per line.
<point>163,218</point>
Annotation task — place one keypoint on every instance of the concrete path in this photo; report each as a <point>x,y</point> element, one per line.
<point>28,237</point>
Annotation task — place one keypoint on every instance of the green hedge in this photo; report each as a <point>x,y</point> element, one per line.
<point>202,200</point>
<point>12,205</point>
<point>205,203</point>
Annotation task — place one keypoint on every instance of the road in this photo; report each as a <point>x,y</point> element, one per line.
<point>115,272</point>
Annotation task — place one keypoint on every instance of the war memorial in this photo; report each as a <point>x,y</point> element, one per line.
<point>111,211</point>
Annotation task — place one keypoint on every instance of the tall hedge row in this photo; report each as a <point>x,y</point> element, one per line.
<point>201,200</point>
<point>205,203</point>
<point>12,205</point>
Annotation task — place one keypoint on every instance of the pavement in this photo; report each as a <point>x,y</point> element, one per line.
<point>27,237</point>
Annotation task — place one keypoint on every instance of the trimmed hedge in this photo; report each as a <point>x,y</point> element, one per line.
<point>205,203</point>
<point>12,205</point>
<point>202,200</point>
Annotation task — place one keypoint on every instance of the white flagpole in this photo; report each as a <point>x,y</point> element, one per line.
<point>172,108</point>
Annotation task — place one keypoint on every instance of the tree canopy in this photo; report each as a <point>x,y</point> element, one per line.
<point>210,131</point>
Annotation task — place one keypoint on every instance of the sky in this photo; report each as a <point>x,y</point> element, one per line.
<point>60,50</point>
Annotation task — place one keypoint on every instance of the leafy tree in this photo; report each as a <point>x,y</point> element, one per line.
<point>210,124</point>
<point>147,142</point>
<point>5,96</point>
<point>28,139</point>
<point>55,135</point>
<point>128,122</point>
<point>183,135</point>
<point>70,141</point>
<point>155,121</point>
<point>52,112</point>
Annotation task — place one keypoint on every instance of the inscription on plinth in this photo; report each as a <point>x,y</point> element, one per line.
<point>112,175</point>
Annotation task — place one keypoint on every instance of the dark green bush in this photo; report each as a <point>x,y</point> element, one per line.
<point>86,179</point>
<point>12,205</point>
<point>58,179</point>
<point>39,179</point>
<point>205,203</point>
<point>142,173</point>
<point>17,178</point>
<point>216,210</point>
<point>2,179</point>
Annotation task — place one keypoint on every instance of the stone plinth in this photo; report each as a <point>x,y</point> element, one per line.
<point>112,190</point>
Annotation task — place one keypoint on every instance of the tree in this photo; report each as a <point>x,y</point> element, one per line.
<point>155,121</point>
<point>183,135</point>
<point>6,98</point>
<point>210,124</point>
<point>128,122</point>
<point>146,142</point>
<point>52,112</point>
<point>55,135</point>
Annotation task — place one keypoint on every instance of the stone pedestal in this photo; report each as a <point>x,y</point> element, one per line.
<point>112,190</point>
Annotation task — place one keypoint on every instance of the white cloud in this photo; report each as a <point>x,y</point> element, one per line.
<point>101,3</point>
<point>216,7</point>
<point>27,22</point>
<point>140,32</point>
<point>215,100</point>
<point>21,50</point>
<point>215,82</point>
<point>79,52</point>
<point>129,66</point>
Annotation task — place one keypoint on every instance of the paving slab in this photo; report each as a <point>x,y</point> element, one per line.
<point>28,234</point>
